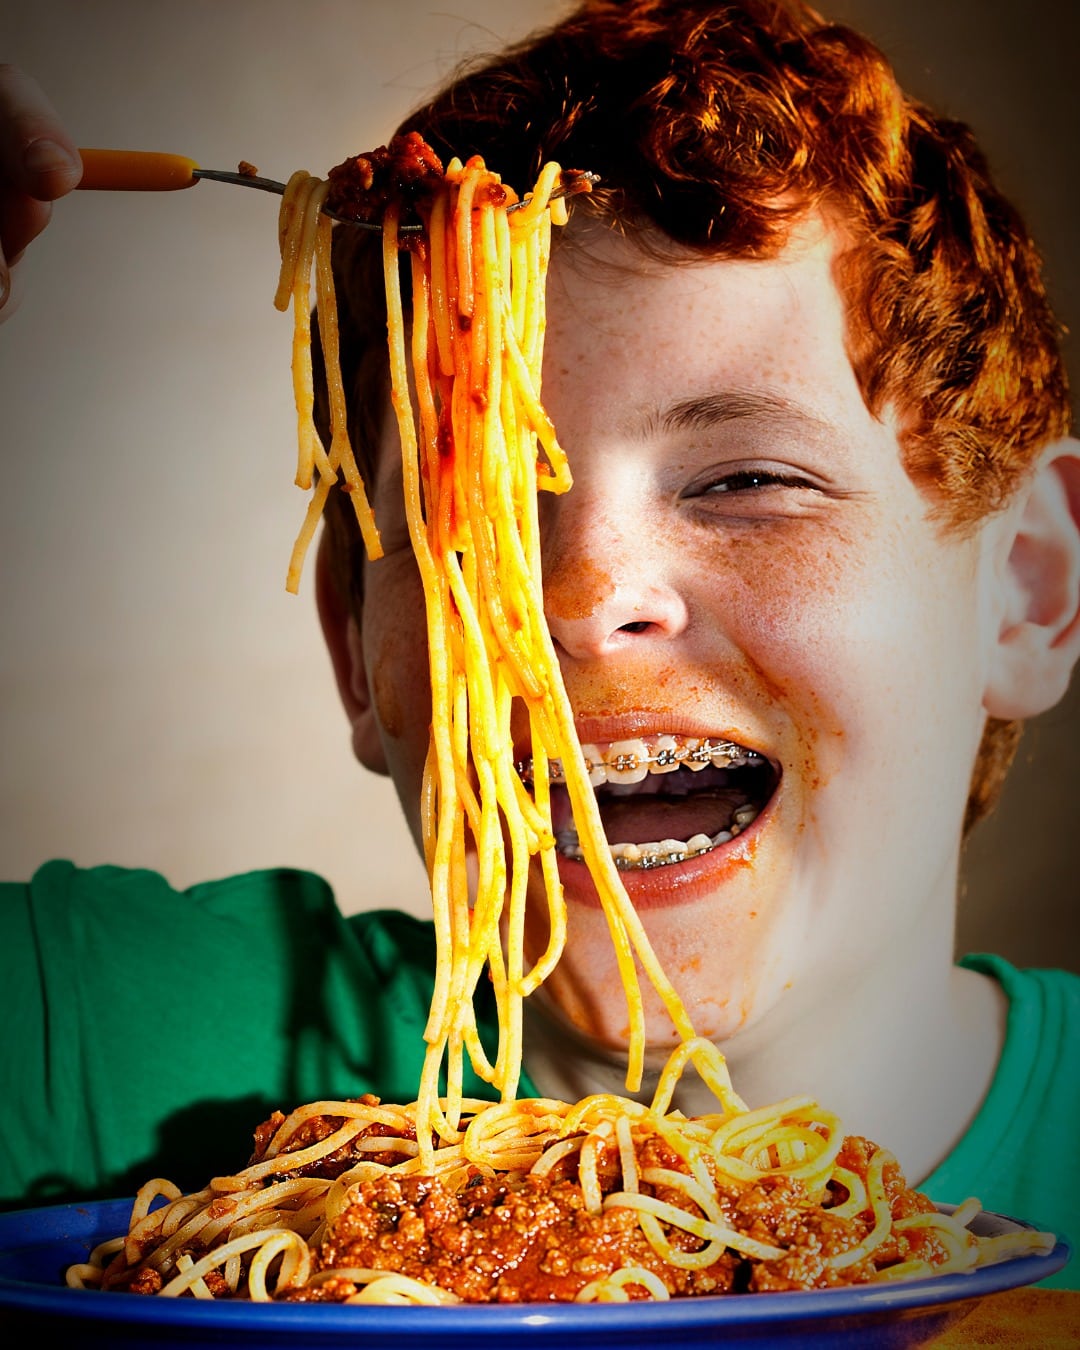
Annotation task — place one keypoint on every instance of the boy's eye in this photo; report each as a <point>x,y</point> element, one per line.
<point>749,479</point>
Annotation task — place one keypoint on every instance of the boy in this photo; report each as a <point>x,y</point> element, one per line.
<point>824,509</point>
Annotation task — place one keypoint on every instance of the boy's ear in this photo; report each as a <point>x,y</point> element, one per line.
<point>1038,640</point>
<point>342,631</point>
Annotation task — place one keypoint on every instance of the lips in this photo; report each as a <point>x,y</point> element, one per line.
<point>665,800</point>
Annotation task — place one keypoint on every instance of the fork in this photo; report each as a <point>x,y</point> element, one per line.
<point>156,171</point>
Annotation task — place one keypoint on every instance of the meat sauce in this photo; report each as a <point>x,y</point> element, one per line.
<point>406,171</point>
<point>517,1238</point>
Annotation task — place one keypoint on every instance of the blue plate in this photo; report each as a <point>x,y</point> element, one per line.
<point>36,1245</point>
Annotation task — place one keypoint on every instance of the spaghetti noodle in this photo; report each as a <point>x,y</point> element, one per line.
<point>471,472</point>
<point>450,1198</point>
<point>603,1200</point>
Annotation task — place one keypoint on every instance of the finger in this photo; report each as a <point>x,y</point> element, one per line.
<point>37,156</point>
<point>21,221</point>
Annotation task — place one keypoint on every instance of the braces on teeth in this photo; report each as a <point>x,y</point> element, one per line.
<point>629,762</point>
<point>640,857</point>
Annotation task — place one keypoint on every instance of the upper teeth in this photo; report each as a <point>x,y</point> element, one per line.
<point>630,761</point>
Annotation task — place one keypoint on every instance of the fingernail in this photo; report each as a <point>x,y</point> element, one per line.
<point>46,156</point>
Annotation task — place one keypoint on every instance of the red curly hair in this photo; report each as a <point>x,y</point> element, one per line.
<point>713,124</point>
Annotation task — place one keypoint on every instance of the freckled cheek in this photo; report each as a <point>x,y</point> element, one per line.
<point>785,605</point>
<point>785,613</point>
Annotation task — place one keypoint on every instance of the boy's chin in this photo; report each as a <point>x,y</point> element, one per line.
<point>587,1006</point>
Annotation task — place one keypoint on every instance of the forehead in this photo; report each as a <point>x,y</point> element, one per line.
<point>634,339</point>
<point>643,338</point>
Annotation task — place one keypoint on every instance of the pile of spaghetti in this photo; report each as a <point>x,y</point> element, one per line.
<point>536,1200</point>
<point>448,1198</point>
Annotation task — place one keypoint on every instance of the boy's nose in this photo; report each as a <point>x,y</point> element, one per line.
<point>605,593</point>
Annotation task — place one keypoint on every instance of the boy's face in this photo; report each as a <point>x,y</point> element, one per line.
<point>742,558</point>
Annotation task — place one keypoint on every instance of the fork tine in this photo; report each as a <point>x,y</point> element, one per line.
<point>576,180</point>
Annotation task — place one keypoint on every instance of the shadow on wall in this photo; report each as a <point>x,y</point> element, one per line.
<point>1020,898</point>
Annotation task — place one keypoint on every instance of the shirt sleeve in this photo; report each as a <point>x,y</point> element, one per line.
<point>151,1030</point>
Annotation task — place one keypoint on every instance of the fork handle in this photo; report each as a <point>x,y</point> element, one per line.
<point>136,171</point>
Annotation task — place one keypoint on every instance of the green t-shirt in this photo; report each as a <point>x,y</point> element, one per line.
<point>149,1031</point>
<point>1019,1155</point>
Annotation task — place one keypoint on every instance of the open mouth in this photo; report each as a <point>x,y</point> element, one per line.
<point>664,799</point>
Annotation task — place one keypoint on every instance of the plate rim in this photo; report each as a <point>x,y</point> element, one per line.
<point>79,1221</point>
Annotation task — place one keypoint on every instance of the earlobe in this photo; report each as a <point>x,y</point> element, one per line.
<point>341,628</point>
<point>1038,638</point>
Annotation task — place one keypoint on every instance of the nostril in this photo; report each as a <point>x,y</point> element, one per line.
<point>639,626</point>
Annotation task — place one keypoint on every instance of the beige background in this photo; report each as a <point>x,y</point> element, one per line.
<point>163,702</point>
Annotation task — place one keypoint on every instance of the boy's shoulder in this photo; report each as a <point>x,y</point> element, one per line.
<point>221,1002</point>
<point>1038,1074</point>
<point>271,929</point>
<point>74,904</point>
<point>1015,1156</point>
<point>1043,999</point>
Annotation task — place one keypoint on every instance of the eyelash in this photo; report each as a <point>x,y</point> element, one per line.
<point>751,480</point>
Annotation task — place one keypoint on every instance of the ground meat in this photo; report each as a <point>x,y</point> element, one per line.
<point>145,1281</point>
<point>499,1241</point>
<point>518,1238</point>
<point>532,1239</point>
<point>813,1235</point>
<point>331,1166</point>
<point>855,1154</point>
<point>811,1239</point>
<point>264,1132</point>
<point>406,171</point>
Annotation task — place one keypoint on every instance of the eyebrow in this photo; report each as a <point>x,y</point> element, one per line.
<point>731,405</point>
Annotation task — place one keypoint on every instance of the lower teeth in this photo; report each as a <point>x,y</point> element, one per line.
<point>640,857</point>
